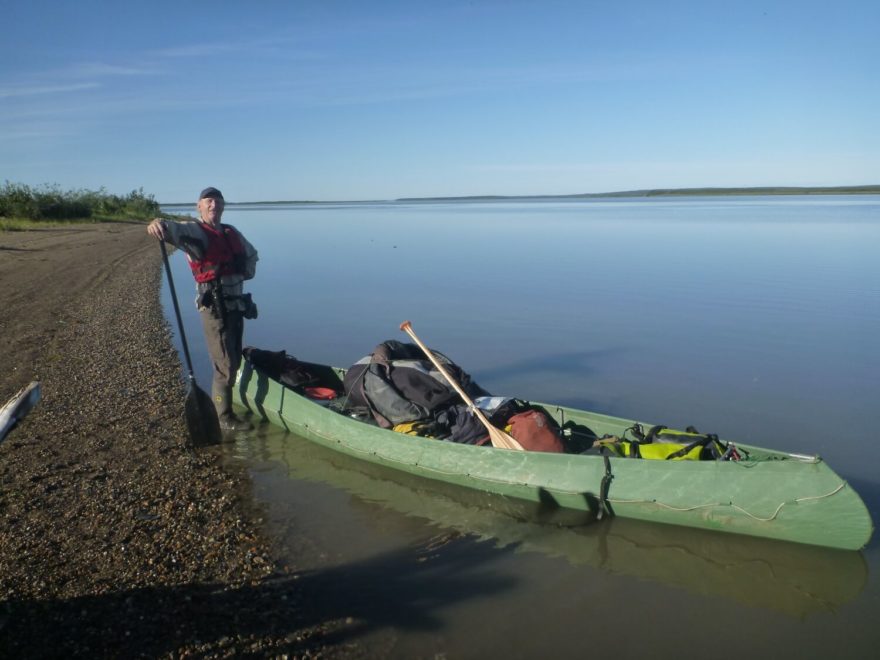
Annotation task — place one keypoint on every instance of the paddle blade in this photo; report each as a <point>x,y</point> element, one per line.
<point>18,406</point>
<point>502,440</point>
<point>201,419</point>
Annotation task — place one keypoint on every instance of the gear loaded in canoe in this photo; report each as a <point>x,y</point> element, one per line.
<point>764,493</point>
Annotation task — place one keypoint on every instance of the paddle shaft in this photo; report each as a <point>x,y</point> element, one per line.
<point>177,311</point>
<point>201,421</point>
<point>498,437</point>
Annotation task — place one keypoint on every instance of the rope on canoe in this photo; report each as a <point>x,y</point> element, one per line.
<point>731,504</point>
<point>611,500</point>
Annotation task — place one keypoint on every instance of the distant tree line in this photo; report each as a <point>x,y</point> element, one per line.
<point>49,202</point>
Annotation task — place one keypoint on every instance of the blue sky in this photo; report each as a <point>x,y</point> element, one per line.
<point>380,100</point>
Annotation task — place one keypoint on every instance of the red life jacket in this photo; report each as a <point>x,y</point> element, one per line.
<point>224,254</point>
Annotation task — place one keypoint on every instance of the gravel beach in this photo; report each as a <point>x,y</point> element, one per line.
<point>116,539</point>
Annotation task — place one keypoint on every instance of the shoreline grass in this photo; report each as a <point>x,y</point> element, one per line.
<point>24,207</point>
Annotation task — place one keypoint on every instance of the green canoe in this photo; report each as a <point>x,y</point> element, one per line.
<point>769,494</point>
<point>795,579</point>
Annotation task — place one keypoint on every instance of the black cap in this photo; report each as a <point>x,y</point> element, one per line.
<point>211,192</point>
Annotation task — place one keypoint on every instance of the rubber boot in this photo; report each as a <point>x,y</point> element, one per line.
<point>229,421</point>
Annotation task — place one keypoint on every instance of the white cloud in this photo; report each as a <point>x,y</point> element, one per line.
<point>195,50</point>
<point>101,69</point>
<point>36,90</point>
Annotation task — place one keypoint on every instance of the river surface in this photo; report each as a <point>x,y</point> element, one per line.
<point>755,318</point>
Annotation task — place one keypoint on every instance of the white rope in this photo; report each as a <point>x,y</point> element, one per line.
<point>731,504</point>
<point>391,459</point>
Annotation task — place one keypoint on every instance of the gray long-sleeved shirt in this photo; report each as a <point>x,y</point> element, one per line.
<point>188,236</point>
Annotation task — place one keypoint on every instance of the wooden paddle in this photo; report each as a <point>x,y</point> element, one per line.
<point>201,419</point>
<point>498,437</point>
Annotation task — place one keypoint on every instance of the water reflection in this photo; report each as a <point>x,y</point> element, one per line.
<point>794,579</point>
<point>754,318</point>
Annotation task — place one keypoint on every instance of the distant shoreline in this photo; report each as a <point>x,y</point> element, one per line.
<point>679,192</point>
<point>653,192</point>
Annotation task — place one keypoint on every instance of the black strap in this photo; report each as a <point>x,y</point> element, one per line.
<point>604,504</point>
<point>652,433</point>
<point>701,442</point>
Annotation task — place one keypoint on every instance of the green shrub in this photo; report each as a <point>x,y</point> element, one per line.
<point>49,202</point>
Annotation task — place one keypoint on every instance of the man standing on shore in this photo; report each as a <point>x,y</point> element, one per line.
<point>221,259</point>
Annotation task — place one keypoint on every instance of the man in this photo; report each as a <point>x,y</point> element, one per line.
<point>221,259</point>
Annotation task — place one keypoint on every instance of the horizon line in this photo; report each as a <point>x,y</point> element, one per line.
<point>645,192</point>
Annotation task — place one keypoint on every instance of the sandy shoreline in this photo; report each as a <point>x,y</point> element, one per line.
<point>115,539</point>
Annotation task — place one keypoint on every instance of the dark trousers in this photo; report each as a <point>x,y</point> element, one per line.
<point>223,338</point>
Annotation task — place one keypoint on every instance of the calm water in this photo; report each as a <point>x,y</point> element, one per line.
<point>754,318</point>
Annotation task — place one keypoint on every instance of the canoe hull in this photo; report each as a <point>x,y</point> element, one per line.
<point>773,495</point>
<point>796,579</point>
<point>18,407</point>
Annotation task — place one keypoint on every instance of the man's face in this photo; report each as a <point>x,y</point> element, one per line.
<point>210,209</point>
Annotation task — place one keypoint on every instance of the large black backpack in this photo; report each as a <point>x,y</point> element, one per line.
<point>398,384</point>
